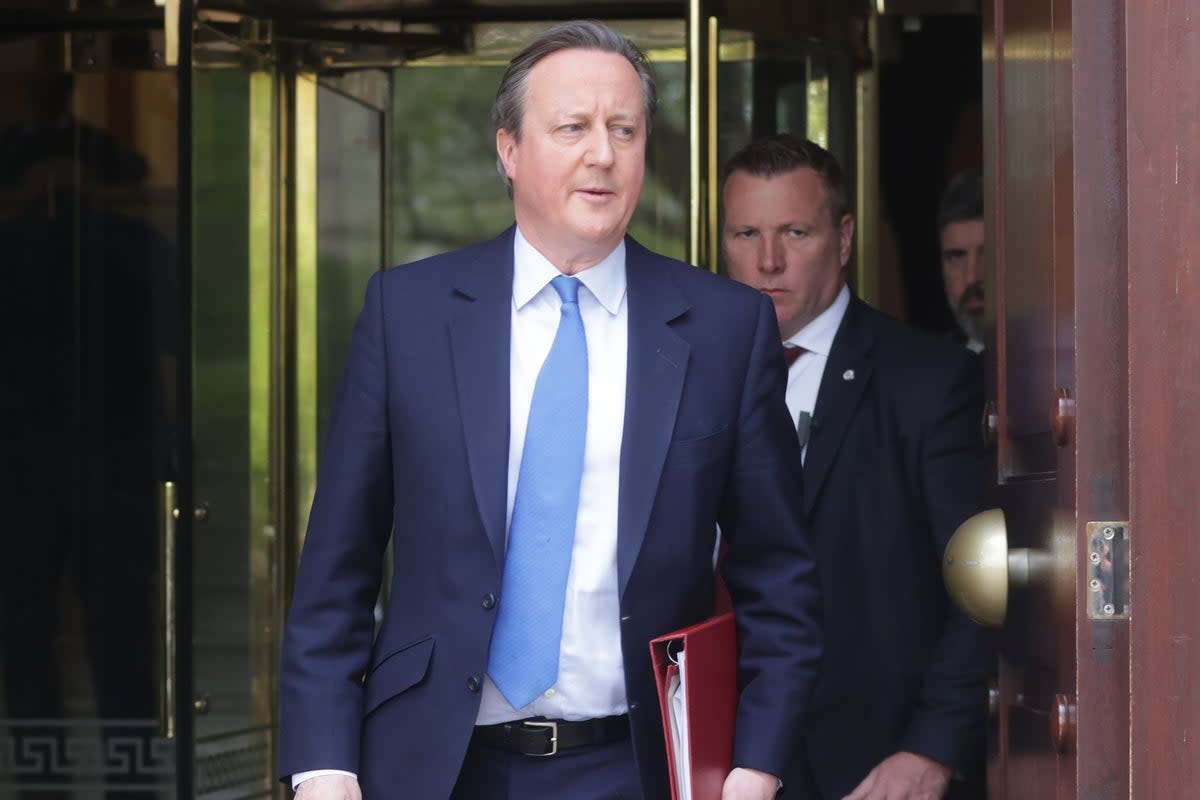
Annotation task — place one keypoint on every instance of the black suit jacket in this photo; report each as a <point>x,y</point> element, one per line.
<point>894,465</point>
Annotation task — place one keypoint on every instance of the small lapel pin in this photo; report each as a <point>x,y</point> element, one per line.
<point>848,375</point>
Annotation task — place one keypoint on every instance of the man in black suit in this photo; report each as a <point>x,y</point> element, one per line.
<point>893,464</point>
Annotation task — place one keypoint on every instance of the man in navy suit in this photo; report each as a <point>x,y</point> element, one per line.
<point>550,426</point>
<point>892,465</point>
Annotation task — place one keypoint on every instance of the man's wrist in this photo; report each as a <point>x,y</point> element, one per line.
<point>768,781</point>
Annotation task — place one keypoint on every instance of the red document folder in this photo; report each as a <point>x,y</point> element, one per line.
<point>710,664</point>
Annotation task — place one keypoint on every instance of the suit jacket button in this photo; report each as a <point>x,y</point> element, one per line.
<point>473,683</point>
<point>489,601</point>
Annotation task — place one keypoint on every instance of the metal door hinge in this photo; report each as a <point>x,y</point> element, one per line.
<point>1108,570</point>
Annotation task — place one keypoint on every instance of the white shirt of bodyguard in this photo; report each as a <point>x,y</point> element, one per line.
<point>591,676</point>
<point>804,376</point>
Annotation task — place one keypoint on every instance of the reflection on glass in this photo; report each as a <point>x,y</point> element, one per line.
<point>660,221</point>
<point>87,211</point>
<point>772,85</point>
<point>446,192</point>
<point>349,228</point>
<point>817,124</point>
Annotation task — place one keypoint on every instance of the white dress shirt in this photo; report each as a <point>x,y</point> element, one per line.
<point>804,376</point>
<point>591,677</point>
<point>591,672</point>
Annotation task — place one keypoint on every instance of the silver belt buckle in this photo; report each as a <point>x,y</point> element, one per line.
<point>553,726</point>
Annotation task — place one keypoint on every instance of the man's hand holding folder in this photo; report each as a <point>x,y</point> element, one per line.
<point>696,673</point>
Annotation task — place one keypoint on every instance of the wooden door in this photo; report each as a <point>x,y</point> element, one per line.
<point>1160,161</point>
<point>1093,116</point>
<point>1028,160</point>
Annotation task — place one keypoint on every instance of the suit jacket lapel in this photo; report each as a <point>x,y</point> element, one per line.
<point>658,360</point>
<point>847,373</point>
<point>479,343</point>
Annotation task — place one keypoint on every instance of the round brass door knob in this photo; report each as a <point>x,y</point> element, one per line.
<point>978,567</point>
<point>975,568</point>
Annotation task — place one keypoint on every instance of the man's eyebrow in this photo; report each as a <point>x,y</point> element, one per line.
<point>631,114</point>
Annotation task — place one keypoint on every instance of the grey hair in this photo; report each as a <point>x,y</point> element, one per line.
<point>509,106</point>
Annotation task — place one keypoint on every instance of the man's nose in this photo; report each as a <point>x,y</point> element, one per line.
<point>599,149</point>
<point>771,258</point>
<point>974,268</point>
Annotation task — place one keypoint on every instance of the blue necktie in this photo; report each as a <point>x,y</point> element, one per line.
<point>525,643</point>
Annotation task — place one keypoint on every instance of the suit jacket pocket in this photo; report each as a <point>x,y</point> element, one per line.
<point>397,673</point>
<point>697,449</point>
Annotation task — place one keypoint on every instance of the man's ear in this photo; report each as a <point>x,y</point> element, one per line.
<point>845,238</point>
<point>506,149</point>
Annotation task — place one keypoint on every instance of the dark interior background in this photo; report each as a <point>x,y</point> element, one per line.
<point>930,128</point>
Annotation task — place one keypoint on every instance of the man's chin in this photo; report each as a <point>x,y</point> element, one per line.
<point>598,231</point>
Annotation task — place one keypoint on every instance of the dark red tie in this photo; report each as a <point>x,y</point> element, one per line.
<point>791,352</point>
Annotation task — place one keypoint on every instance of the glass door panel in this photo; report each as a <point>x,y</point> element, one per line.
<point>90,340</point>
<point>340,180</point>
<point>234,552</point>
<point>339,234</point>
<point>350,183</point>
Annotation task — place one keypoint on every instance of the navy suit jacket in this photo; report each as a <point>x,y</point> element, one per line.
<point>894,466</point>
<point>418,450</point>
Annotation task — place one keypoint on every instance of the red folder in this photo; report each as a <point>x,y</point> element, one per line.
<point>710,663</point>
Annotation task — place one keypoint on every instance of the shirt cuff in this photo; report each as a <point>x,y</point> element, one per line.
<point>301,777</point>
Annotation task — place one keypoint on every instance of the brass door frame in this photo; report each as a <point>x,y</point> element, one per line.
<point>702,38</point>
<point>866,189</point>
<point>304,297</point>
<point>266,458</point>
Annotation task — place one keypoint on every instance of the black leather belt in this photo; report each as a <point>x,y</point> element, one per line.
<point>547,737</point>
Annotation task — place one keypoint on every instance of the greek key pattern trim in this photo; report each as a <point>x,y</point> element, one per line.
<point>65,752</point>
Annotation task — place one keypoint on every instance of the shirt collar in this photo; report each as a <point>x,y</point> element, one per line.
<point>532,272</point>
<point>817,336</point>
